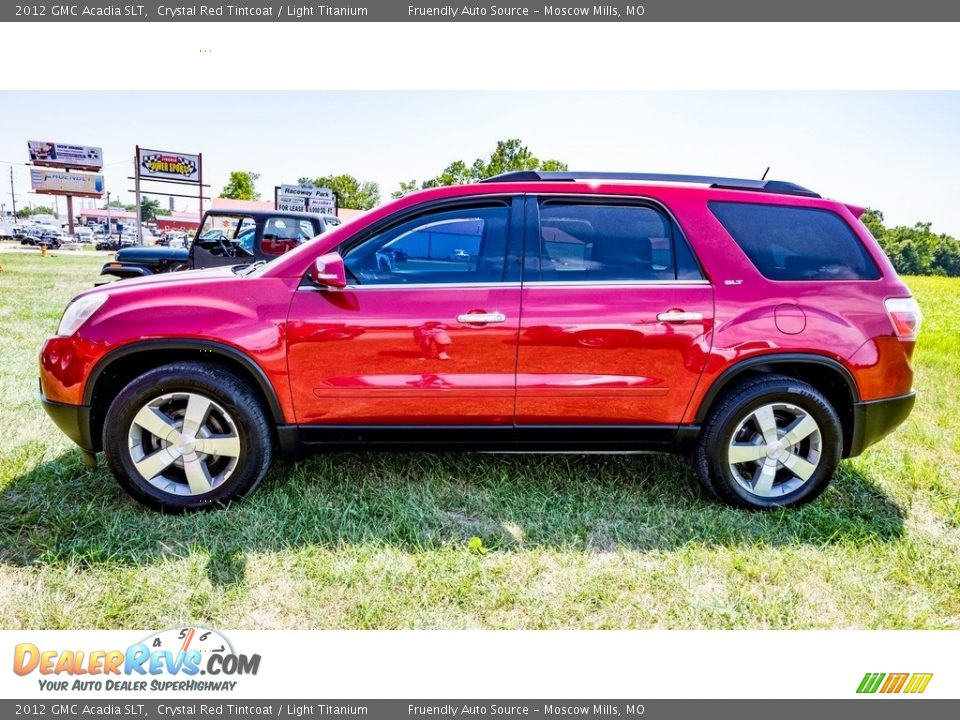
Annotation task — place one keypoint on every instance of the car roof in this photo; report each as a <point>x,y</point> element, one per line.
<point>781,187</point>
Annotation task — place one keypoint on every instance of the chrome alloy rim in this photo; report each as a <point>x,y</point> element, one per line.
<point>775,450</point>
<point>184,443</point>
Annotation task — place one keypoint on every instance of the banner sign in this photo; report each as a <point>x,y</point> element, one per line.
<point>51,154</point>
<point>306,198</point>
<point>165,165</point>
<point>52,182</point>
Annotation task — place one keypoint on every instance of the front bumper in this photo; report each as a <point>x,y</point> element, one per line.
<point>73,421</point>
<point>873,420</point>
<point>122,270</point>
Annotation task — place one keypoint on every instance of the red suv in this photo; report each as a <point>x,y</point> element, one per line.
<point>749,324</point>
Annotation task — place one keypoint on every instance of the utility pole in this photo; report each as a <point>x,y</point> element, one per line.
<point>13,196</point>
<point>70,227</point>
<point>136,177</point>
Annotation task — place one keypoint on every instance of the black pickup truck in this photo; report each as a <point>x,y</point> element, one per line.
<point>225,237</point>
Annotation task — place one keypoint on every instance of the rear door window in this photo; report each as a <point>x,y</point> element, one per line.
<point>796,243</point>
<point>596,242</point>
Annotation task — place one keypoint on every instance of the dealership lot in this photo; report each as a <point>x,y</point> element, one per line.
<point>366,540</point>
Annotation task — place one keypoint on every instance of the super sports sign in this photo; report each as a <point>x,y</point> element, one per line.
<point>169,165</point>
<point>173,659</point>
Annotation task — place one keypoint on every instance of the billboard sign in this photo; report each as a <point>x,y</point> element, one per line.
<point>57,182</point>
<point>51,154</point>
<point>306,198</point>
<point>163,165</point>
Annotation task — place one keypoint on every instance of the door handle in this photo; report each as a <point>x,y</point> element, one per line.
<point>679,316</point>
<point>481,318</point>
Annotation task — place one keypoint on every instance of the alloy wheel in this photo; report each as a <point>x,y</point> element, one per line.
<point>775,450</point>
<point>184,443</point>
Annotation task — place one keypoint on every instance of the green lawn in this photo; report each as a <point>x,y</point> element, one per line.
<point>375,541</point>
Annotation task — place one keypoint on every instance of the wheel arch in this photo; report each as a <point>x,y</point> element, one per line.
<point>826,374</point>
<point>122,365</point>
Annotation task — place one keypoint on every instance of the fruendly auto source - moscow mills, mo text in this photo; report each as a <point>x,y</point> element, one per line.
<point>547,11</point>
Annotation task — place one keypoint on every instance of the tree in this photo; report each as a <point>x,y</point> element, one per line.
<point>915,250</point>
<point>405,187</point>
<point>149,208</point>
<point>241,186</point>
<point>456,173</point>
<point>508,156</point>
<point>873,219</point>
<point>350,192</point>
<point>120,205</point>
<point>946,256</point>
<point>26,212</point>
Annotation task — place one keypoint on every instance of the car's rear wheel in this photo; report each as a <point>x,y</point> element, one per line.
<point>771,441</point>
<point>187,436</point>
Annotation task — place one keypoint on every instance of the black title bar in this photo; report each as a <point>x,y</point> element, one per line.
<point>510,11</point>
<point>226,708</point>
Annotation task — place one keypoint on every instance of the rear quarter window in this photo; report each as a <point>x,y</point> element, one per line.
<point>796,243</point>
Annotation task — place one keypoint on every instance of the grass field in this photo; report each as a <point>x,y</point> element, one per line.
<point>375,541</point>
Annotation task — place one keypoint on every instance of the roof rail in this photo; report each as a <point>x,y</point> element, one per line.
<point>772,186</point>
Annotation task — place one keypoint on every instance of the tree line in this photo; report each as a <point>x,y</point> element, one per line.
<point>915,250</point>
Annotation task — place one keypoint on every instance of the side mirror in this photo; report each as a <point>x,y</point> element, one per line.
<point>328,271</point>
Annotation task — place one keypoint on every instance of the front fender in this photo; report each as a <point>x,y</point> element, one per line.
<point>170,311</point>
<point>125,271</point>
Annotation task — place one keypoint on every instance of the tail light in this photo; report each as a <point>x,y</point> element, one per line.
<point>905,315</point>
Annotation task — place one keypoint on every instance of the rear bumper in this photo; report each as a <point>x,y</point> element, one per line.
<point>73,421</point>
<point>875,419</point>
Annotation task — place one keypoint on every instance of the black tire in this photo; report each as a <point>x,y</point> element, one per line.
<point>237,410</point>
<point>727,416</point>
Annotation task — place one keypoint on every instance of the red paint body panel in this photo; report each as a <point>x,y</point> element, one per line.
<point>386,356</point>
<point>563,355</point>
<point>246,314</point>
<point>599,355</point>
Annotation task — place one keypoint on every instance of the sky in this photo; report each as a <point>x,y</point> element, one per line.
<point>895,151</point>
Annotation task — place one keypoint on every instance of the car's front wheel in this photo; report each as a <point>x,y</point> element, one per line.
<point>187,436</point>
<point>771,441</point>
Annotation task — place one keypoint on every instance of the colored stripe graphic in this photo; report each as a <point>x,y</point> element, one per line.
<point>894,683</point>
<point>870,682</point>
<point>918,682</point>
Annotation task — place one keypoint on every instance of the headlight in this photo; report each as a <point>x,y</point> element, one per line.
<point>79,311</point>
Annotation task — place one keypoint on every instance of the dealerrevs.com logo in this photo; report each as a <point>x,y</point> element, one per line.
<point>180,659</point>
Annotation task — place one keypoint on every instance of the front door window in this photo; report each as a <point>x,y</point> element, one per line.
<point>454,246</point>
<point>425,331</point>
